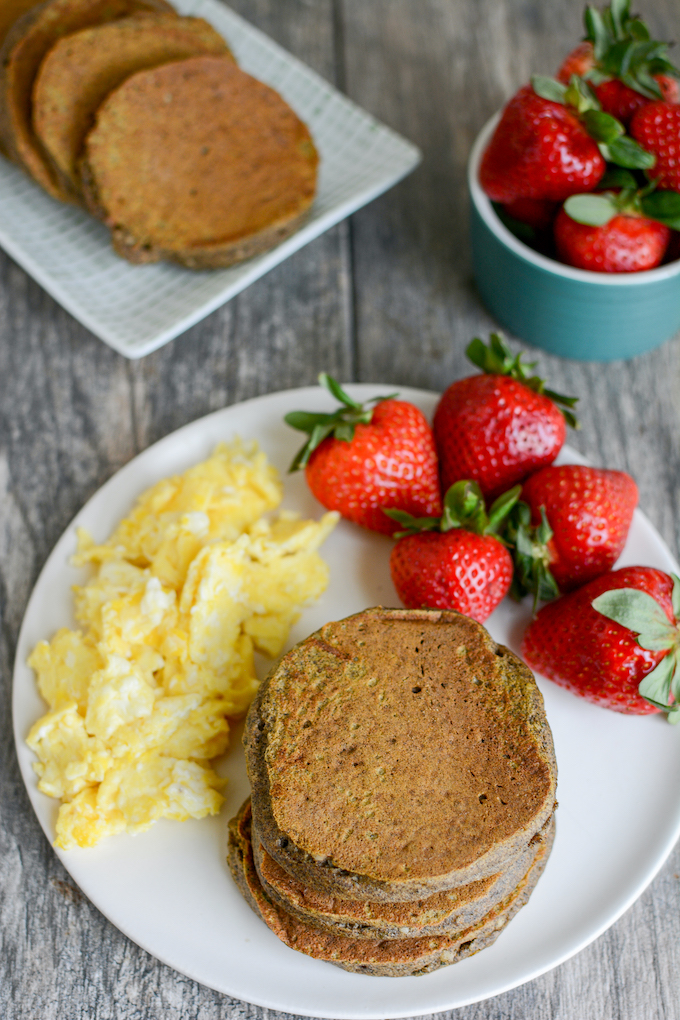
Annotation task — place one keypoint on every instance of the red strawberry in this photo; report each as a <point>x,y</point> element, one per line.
<point>534,212</point>
<point>456,561</point>
<point>589,512</point>
<point>657,128</point>
<point>360,459</point>
<point>499,427</point>
<point>627,243</point>
<point>539,150</point>
<point>623,102</point>
<point>615,97</point>
<point>625,68</point>
<point>586,641</point>
<point>579,62</point>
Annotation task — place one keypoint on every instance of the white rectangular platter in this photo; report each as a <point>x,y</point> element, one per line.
<point>137,309</point>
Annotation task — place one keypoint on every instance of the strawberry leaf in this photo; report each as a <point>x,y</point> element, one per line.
<point>549,88</point>
<point>602,127</point>
<point>625,151</point>
<point>675,597</point>
<point>412,525</point>
<point>663,206</point>
<point>498,359</point>
<point>500,509</point>
<point>656,686</point>
<point>618,177</point>
<point>340,423</point>
<point>464,508</point>
<point>530,555</point>
<point>580,96</point>
<point>640,613</point>
<point>336,390</point>
<point>620,11</point>
<point>596,31</point>
<point>594,210</point>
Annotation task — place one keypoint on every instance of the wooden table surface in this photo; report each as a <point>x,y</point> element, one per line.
<point>388,297</point>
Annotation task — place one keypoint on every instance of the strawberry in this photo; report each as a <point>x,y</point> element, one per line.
<point>539,150</point>
<point>456,561</point>
<point>626,243</point>
<point>657,128</point>
<point>623,102</point>
<point>625,68</point>
<point>535,213</point>
<point>499,427</point>
<point>571,526</point>
<point>361,458</point>
<point>586,641</point>
<point>579,62</point>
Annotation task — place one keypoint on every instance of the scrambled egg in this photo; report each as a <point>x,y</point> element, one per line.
<point>184,591</point>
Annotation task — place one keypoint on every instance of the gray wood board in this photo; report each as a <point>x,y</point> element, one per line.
<point>386,298</point>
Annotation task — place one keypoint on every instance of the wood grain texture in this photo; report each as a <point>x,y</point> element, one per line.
<point>386,298</point>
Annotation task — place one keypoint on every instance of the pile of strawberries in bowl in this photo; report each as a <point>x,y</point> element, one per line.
<point>478,511</point>
<point>585,167</point>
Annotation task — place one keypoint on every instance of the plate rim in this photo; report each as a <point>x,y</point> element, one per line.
<point>357,390</point>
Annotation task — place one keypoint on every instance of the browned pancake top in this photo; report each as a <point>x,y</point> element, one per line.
<point>83,68</point>
<point>198,153</point>
<point>404,744</point>
<point>26,44</point>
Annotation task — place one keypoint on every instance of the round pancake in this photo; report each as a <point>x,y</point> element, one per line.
<point>443,913</point>
<point>381,957</point>
<point>83,68</point>
<point>25,45</point>
<point>199,163</point>
<point>398,753</point>
<point>11,11</point>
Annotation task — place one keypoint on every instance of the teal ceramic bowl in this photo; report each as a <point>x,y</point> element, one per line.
<point>570,312</point>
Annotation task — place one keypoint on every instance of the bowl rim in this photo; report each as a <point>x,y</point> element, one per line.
<point>485,209</point>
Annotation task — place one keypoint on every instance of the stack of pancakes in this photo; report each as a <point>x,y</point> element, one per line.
<point>403,787</point>
<point>145,119</point>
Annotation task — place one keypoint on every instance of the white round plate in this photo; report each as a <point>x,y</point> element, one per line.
<point>170,890</point>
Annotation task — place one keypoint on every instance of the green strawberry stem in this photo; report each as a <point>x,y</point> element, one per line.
<point>609,133</point>
<point>642,614</point>
<point>598,209</point>
<point>340,423</point>
<point>529,546</point>
<point>623,49</point>
<point>464,507</point>
<point>497,359</point>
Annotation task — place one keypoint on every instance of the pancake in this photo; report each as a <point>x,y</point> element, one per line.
<point>22,52</point>
<point>388,958</point>
<point>397,754</point>
<point>199,163</point>
<point>83,68</point>
<point>443,913</point>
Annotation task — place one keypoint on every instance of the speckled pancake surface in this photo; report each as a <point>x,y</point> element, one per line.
<point>22,52</point>
<point>398,753</point>
<point>200,163</point>
<point>83,68</point>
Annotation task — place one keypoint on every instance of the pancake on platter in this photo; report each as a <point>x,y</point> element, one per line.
<point>198,163</point>
<point>22,52</point>
<point>83,68</point>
